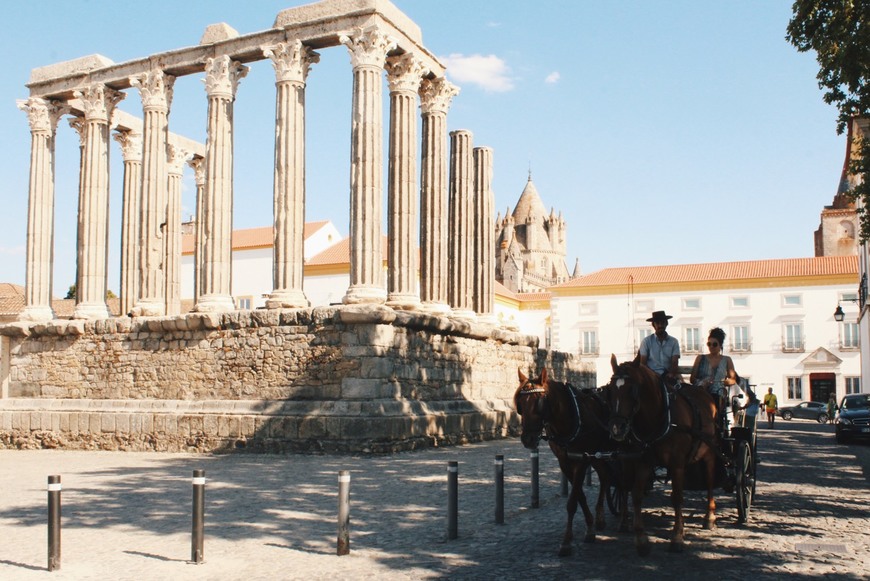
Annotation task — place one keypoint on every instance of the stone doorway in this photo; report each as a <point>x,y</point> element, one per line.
<point>822,385</point>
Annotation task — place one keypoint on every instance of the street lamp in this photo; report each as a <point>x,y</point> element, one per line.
<point>839,315</point>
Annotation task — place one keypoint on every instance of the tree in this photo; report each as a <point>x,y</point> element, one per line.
<point>839,33</point>
<point>71,293</point>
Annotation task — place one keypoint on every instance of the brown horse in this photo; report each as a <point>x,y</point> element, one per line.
<point>659,430</point>
<point>574,421</point>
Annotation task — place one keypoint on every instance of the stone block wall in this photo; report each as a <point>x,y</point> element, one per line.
<point>350,378</point>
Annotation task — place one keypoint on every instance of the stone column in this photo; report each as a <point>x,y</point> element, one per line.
<point>292,62</point>
<point>42,116</point>
<point>404,75</point>
<point>221,82</point>
<point>175,170</point>
<point>484,236</point>
<point>461,225</point>
<point>131,149</point>
<point>198,165</point>
<point>435,97</point>
<point>155,88</point>
<point>368,50</point>
<point>98,102</point>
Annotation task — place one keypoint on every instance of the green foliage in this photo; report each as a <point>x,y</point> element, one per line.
<point>839,33</point>
<point>71,293</point>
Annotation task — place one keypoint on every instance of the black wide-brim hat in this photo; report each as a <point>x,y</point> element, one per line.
<point>659,316</point>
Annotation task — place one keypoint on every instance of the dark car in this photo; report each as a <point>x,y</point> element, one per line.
<point>853,421</point>
<point>806,410</point>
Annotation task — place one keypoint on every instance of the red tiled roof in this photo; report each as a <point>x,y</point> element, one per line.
<point>261,237</point>
<point>339,253</point>
<point>719,271</point>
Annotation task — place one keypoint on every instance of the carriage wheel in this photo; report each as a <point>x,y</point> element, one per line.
<point>745,480</point>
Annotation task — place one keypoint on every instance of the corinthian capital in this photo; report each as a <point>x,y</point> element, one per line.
<point>131,144</point>
<point>78,125</point>
<point>155,88</point>
<point>98,101</point>
<point>42,114</point>
<point>436,95</point>
<point>176,157</point>
<point>222,76</point>
<point>405,73</point>
<point>197,164</point>
<point>367,48</point>
<point>292,60</point>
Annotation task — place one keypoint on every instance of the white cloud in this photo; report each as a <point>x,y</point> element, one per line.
<point>553,78</point>
<point>487,72</point>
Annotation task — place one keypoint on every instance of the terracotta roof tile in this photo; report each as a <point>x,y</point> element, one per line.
<point>253,237</point>
<point>339,253</point>
<point>719,271</point>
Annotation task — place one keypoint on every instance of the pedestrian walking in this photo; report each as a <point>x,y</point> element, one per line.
<point>832,408</point>
<point>770,406</point>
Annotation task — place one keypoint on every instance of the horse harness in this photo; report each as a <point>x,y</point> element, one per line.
<point>549,434</point>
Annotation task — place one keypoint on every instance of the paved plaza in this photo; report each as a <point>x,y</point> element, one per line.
<point>127,516</point>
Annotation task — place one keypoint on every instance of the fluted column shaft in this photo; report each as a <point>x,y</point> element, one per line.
<point>368,50</point>
<point>155,89</point>
<point>93,227</point>
<point>484,235</point>
<point>175,170</point>
<point>405,74</point>
<point>292,62</point>
<point>131,149</point>
<point>198,166</point>
<point>43,116</point>
<point>222,79</point>
<point>435,97</point>
<point>460,225</point>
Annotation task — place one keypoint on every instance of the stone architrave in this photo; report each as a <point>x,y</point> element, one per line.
<point>155,88</point>
<point>368,51</point>
<point>131,149</point>
<point>435,97</point>
<point>484,236</point>
<point>198,166</point>
<point>405,72</point>
<point>98,102</point>
<point>461,225</point>
<point>176,159</point>
<point>43,116</point>
<point>292,62</point>
<point>216,270</point>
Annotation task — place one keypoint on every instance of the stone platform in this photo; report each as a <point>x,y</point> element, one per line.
<point>359,378</point>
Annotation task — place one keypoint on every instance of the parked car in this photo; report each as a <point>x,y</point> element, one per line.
<point>853,421</point>
<point>806,410</point>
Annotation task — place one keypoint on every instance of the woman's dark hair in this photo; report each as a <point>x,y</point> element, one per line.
<point>719,335</point>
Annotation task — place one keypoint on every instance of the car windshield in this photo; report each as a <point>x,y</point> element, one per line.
<point>851,403</point>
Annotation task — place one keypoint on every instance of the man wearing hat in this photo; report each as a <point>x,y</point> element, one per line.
<point>659,351</point>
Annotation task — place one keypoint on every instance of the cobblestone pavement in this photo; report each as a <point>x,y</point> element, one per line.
<point>127,516</point>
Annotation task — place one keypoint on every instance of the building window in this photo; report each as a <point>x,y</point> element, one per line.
<point>853,385</point>
<point>588,308</point>
<point>849,334</point>
<point>740,338</point>
<point>693,304</point>
<point>692,340</point>
<point>794,388</point>
<point>791,300</point>
<point>243,303</point>
<point>793,337</point>
<point>589,342</point>
<point>739,302</point>
<point>643,307</point>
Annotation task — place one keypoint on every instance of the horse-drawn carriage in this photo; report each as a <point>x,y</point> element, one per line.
<point>631,430</point>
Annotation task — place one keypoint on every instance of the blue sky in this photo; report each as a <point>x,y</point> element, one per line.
<point>665,132</point>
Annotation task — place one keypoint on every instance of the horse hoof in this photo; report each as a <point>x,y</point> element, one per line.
<point>676,547</point>
<point>589,538</point>
<point>565,551</point>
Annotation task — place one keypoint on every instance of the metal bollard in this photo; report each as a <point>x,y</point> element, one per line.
<point>536,502</point>
<point>499,489</point>
<point>54,523</point>
<point>197,534</point>
<point>452,499</point>
<point>564,489</point>
<point>343,513</point>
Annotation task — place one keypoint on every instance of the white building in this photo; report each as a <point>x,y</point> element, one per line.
<point>777,315</point>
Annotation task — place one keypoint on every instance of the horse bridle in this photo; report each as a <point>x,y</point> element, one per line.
<point>529,388</point>
<point>629,419</point>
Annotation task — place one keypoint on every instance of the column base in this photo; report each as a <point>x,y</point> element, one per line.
<point>365,294</point>
<point>487,319</point>
<point>91,311</point>
<point>148,308</point>
<point>36,313</point>
<point>287,299</point>
<point>215,304</point>
<point>436,308</point>
<point>465,314</point>
<point>404,302</point>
